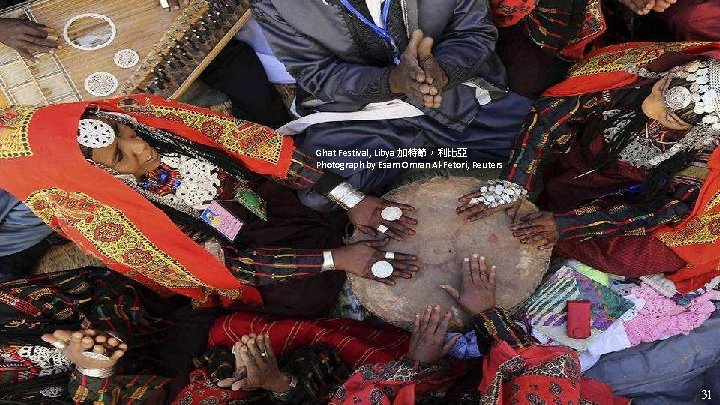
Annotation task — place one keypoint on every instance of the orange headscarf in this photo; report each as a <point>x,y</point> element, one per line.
<point>42,164</point>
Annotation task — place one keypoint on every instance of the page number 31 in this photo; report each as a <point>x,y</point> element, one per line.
<point>706,394</point>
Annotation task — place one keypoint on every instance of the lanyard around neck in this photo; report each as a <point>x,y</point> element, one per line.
<point>382,32</point>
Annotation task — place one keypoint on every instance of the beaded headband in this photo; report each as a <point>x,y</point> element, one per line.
<point>703,89</point>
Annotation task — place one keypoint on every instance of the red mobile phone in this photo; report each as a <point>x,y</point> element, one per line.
<point>578,319</point>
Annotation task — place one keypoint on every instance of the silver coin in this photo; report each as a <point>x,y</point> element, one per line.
<point>382,269</point>
<point>391,213</point>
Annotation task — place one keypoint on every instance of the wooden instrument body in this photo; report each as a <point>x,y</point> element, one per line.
<point>141,25</point>
<point>443,239</point>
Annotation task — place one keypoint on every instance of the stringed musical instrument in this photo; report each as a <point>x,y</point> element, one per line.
<point>110,48</point>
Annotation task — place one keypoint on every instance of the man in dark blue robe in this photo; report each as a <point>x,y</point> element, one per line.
<point>348,54</point>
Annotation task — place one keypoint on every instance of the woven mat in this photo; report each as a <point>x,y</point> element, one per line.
<point>65,257</point>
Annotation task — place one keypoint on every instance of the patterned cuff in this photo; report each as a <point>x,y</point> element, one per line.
<point>84,389</point>
<point>569,223</point>
<point>496,324</point>
<point>303,173</point>
<point>270,265</point>
<point>407,369</point>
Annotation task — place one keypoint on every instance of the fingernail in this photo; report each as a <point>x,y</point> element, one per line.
<point>417,315</point>
<point>414,257</point>
<point>475,256</point>
<point>482,258</point>
<point>467,259</point>
<point>437,306</point>
<point>415,268</point>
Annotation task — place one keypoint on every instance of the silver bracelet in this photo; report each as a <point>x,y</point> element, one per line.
<point>285,396</point>
<point>328,262</point>
<point>95,372</point>
<point>499,192</point>
<point>346,195</point>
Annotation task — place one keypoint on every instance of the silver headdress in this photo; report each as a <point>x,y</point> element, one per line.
<point>702,91</point>
<point>95,134</point>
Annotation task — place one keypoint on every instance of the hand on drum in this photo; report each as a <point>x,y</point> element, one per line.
<point>369,218</point>
<point>538,228</point>
<point>427,343</point>
<point>75,344</point>
<point>361,258</point>
<point>478,285</point>
<point>473,212</point>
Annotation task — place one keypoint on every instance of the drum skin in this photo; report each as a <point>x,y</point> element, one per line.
<point>442,241</point>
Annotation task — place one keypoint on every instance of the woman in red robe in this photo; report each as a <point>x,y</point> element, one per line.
<point>622,159</point>
<point>126,179</point>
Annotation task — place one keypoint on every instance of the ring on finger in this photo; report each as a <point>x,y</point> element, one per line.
<point>382,269</point>
<point>391,213</point>
<point>382,228</point>
<point>390,255</point>
<point>263,354</point>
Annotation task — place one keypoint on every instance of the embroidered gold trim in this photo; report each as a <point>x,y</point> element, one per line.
<point>14,122</point>
<point>112,234</point>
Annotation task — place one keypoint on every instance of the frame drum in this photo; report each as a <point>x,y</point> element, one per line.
<point>442,241</point>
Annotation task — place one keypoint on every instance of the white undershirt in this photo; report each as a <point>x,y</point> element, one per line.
<point>375,7</point>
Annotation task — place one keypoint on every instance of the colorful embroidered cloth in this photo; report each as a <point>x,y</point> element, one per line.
<point>695,240</point>
<point>539,375</point>
<point>547,306</point>
<point>562,27</point>
<point>42,165</point>
<point>661,317</point>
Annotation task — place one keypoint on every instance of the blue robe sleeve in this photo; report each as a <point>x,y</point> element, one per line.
<point>467,42</point>
<point>316,69</point>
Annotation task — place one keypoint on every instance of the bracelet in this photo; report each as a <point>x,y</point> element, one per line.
<point>95,372</point>
<point>346,195</point>
<point>285,395</point>
<point>499,192</point>
<point>328,262</point>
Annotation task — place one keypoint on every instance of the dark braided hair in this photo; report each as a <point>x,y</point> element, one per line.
<point>629,101</point>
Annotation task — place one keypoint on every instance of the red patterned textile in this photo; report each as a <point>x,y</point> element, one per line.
<point>606,68</point>
<point>42,165</point>
<point>565,28</point>
<point>695,240</point>
<point>537,375</point>
<point>356,343</point>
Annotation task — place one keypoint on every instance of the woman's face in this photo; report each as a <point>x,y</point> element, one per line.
<point>128,154</point>
<point>654,107</point>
